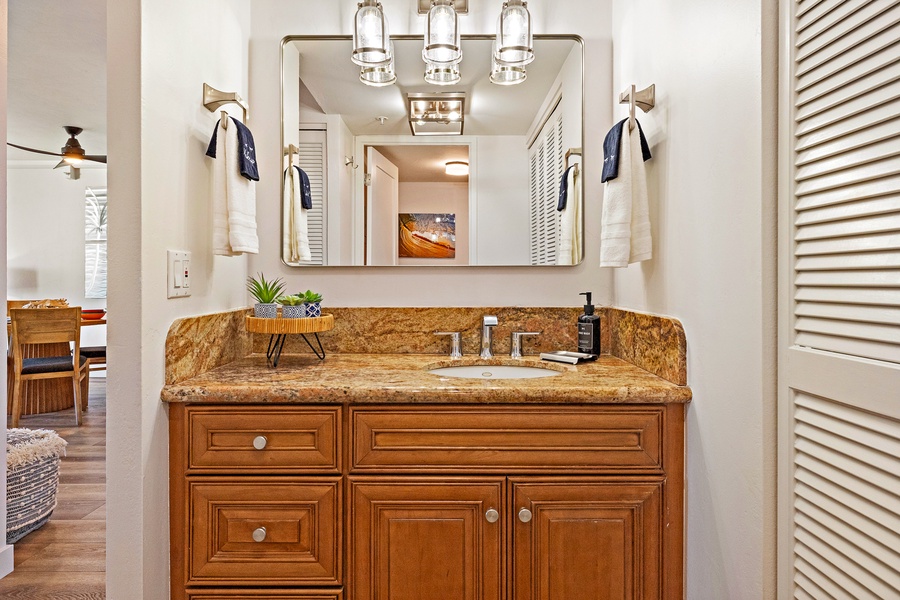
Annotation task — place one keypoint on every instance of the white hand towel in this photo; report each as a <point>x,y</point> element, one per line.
<point>625,225</point>
<point>234,200</point>
<point>295,244</point>
<point>570,223</point>
<point>221,243</point>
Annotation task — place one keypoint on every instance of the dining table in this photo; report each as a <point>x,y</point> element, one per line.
<point>46,395</point>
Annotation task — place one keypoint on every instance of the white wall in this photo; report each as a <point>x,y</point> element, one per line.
<point>438,197</point>
<point>160,54</point>
<point>45,236</point>
<point>503,190</point>
<point>427,286</point>
<point>711,189</point>
<point>6,551</point>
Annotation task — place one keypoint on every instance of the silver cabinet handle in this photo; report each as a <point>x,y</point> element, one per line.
<point>259,534</point>
<point>524,515</point>
<point>492,515</point>
<point>259,442</point>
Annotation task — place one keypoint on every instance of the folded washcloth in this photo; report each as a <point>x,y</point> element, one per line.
<point>247,155</point>
<point>234,198</point>
<point>296,239</point>
<point>625,225</point>
<point>611,146</point>
<point>563,190</point>
<point>570,249</point>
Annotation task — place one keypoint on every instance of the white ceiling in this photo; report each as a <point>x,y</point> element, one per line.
<point>57,75</point>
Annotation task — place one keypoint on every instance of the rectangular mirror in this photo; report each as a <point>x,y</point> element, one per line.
<point>413,173</point>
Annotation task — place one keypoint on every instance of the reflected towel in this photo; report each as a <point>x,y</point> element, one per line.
<point>295,242</point>
<point>625,225</point>
<point>234,199</point>
<point>570,221</point>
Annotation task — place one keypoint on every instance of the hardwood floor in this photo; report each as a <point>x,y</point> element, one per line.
<point>66,558</point>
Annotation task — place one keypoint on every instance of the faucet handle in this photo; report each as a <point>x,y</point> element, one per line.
<point>515,342</point>
<point>489,321</point>
<point>455,348</point>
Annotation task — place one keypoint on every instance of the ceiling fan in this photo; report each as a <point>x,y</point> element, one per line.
<point>72,153</point>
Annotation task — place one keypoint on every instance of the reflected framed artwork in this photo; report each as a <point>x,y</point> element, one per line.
<point>427,235</point>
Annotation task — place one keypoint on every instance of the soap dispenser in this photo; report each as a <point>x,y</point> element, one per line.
<point>589,328</point>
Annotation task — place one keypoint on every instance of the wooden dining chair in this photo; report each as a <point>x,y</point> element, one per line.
<point>46,326</point>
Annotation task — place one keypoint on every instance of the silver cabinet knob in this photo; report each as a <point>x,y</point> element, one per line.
<point>259,534</point>
<point>524,515</point>
<point>492,515</point>
<point>259,442</point>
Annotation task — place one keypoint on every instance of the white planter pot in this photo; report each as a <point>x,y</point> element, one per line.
<point>265,311</point>
<point>293,312</point>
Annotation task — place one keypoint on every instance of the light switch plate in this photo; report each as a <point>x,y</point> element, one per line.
<point>178,273</point>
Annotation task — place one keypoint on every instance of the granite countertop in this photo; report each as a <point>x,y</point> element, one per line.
<point>403,378</point>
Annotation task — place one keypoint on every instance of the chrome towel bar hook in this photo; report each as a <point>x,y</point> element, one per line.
<point>645,99</point>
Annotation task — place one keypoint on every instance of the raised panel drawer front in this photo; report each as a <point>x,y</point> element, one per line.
<point>255,531</point>
<point>264,595</point>
<point>426,539</point>
<point>266,438</point>
<point>588,539</point>
<point>581,439</point>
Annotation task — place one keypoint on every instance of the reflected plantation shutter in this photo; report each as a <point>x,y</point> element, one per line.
<point>311,159</point>
<point>839,354</point>
<point>546,165</point>
<point>847,173</point>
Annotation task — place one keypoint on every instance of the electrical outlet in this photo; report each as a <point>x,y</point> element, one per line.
<point>178,273</point>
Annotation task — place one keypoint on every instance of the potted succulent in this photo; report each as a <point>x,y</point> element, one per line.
<point>313,303</point>
<point>266,293</point>
<point>293,307</point>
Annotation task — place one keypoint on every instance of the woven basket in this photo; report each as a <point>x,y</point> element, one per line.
<point>32,479</point>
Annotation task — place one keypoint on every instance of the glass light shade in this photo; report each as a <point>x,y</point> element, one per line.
<point>515,41</point>
<point>441,74</point>
<point>442,45</point>
<point>371,39</point>
<point>378,75</point>
<point>456,167</point>
<point>505,74</point>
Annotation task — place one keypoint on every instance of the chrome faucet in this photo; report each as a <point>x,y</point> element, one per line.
<point>487,337</point>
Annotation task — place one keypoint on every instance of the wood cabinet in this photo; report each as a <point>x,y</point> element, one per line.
<point>462,502</point>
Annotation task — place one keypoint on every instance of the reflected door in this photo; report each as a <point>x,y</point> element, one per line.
<point>382,207</point>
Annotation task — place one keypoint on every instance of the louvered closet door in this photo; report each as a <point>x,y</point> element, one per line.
<point>546,160</point>
<point>839,304</point>
<point>311,159</point>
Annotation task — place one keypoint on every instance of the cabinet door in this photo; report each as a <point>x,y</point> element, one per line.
<point>586,540</point>
<point>426,539</point>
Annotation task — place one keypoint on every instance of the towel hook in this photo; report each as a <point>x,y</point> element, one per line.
<point>572,152</point>
<point>213,99</point>
<point>291,151</point>
<point>645,99</point>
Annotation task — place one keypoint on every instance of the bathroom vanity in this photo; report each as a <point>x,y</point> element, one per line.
<point>366,477</point>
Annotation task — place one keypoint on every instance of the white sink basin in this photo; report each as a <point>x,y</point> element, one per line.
<point>494,372</point>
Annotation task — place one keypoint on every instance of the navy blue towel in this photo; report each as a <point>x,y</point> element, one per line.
<point>611,145</point>
<point>247,159</point>
<point>563,190</point>
<point>305,191</point>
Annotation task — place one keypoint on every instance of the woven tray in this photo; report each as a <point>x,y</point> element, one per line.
<point>279,325</point>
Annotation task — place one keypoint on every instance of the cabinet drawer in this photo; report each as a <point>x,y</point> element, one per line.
<point>264,531</point>
<point>291,439</point>
<point>264,595</point>
<point>508,439</point>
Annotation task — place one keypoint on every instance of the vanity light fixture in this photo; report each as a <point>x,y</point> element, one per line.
<point>515,39</point>
<point>502,74</point>
<point>442,42</point>
<point>379,75</point>
<point>436,114</point>
<point>371,39</point>
<point>456,167</point>
<point>441,74</point>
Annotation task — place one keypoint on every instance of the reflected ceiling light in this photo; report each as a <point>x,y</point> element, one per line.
<point>505,74</point>
<point>371,39</point>
<point>441,74</point>
<point>456,167</point>
<point>441,44</point>
<point>436,114</point>
<point>379,75</point>
<point>515,40</point>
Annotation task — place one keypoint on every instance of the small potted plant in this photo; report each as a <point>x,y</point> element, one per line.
<point>313,303</point>
<point>266,293</point>
<point>293,307</point>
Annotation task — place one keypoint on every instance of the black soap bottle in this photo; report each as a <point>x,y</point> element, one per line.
<point>589,328</point>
